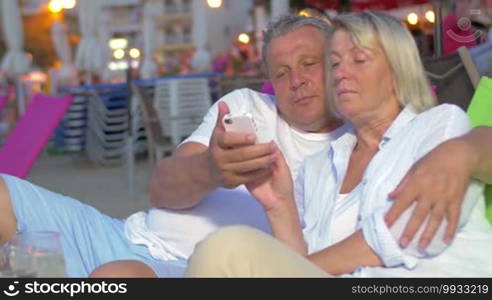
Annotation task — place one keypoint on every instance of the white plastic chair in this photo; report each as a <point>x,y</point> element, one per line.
<point>181,104</point>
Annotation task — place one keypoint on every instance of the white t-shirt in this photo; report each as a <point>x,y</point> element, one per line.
<point>173,234</point>
<point>345,217</point>
<point>409,138</point>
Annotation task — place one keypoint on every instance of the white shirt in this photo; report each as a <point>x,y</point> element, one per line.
<point>295,144</point>
<point>173,234</point>
<point>345,216</point>
<point>409,138</point>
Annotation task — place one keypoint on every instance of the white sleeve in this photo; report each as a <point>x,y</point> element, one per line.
<point>448,122</point>
<point>234,100</point>
<point>299,194</point>
<point>203,133</point>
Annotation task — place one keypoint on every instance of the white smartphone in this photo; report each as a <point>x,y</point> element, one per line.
<point>239,123</point>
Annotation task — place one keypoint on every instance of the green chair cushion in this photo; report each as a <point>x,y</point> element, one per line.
<point>480,114</point>
<point>488,201</point>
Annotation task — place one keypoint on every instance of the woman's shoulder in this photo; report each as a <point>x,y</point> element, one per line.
<point>440,123</point>
<point>444,114</point>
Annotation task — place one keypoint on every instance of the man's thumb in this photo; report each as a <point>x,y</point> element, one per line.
<point>223,110</point>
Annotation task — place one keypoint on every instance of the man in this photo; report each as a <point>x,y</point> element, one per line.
<point>300,124</point>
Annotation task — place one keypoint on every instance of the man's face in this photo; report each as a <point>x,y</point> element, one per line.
<point>296,69</point>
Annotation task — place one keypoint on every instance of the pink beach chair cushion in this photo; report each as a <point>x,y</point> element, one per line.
<point>3,101</point>
<point>267,88</point>
<point>32,132</point>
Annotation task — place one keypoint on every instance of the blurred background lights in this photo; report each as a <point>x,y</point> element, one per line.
<point>69,4</point>
<point>119,53</point>
<point>55,6</point>
<point>244,38</point>
<point>214,3</point>
<point>118,43</point>
<point>304,13</point>
<point>412,18</point>
<point>430,16</point>
<point>134,53</point>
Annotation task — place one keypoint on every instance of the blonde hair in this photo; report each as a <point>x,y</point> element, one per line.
<point>370,29</point>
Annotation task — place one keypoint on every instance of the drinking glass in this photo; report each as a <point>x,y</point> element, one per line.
<point>5,270</point>
<point>36,254</point>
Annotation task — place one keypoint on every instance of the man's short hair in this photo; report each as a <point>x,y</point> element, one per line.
<point>289,23</point>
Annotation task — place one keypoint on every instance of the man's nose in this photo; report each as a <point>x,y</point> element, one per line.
<point>297,79</point>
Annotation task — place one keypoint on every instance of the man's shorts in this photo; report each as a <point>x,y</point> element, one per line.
<point>89,238</point>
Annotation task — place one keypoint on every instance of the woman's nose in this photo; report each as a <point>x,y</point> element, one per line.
<point>340,72</point>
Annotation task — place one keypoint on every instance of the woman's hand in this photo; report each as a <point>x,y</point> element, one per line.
<point>276,195</point>
<point>277,189</point>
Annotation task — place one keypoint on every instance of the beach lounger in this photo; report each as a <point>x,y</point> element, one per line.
<point>159,145</point>
<point>452,80</point>
<point>3,100</point>
<point>31,133</point>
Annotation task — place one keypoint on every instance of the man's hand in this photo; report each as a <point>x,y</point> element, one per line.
<point>234,158</point>
<point>438,181</point>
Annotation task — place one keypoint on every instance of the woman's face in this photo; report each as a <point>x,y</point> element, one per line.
<point>363,80</point>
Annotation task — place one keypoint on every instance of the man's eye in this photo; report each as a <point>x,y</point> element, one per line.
<point>335,64</point>
<point>280,75</point>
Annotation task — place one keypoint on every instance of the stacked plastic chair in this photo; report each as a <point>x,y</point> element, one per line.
<point>181,104</point>
<point>70,134</point>
<point>107,125</point>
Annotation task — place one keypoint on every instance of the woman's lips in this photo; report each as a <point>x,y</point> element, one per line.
<point>344,92</point>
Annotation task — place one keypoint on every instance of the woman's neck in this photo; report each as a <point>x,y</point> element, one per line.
<point>371,129</point>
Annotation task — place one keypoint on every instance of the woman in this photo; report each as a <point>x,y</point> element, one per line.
<point>342,194</point>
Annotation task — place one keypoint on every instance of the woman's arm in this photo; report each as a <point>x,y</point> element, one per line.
<point>276,194</point>
<point>346,256</point>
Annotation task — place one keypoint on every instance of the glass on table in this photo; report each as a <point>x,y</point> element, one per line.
<point>5,270</point>
<point>36,254</point>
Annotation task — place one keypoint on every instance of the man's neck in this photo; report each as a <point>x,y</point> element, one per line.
<point>325,127</point>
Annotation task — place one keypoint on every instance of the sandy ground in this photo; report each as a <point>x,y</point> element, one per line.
<point>104,187</point>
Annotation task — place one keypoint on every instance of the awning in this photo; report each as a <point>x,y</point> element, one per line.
<point>360,5</point>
